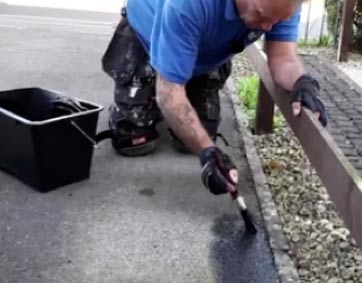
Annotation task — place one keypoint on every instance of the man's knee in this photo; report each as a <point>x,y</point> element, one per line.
<point>133,118</point>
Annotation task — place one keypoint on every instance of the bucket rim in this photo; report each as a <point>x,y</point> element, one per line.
<point>25,121</point>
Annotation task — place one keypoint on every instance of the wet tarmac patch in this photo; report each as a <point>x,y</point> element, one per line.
<point>238,257</point>
<point>147,192</point>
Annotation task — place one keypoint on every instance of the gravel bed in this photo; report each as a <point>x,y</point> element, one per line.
<point>319,243</point>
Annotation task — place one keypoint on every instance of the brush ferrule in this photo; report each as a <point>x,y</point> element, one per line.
<point>241,202</point>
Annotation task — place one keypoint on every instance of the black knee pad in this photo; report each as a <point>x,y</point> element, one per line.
<point>132,137</point>
<point>134,115</point>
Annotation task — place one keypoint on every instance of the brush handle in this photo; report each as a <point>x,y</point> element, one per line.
<point>248,218</point>
<point>241,203</point>
<point>238,198</point>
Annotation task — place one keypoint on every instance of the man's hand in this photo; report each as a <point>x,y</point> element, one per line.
<point>288,72</point>
<point>305,93</point>
<point>219,174</point>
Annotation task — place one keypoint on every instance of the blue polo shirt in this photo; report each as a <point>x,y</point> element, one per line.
<point>191,37</point>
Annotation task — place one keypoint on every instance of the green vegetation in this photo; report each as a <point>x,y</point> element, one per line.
<point>334,15</point>
<point>324,41</point>
<point>248,91</point>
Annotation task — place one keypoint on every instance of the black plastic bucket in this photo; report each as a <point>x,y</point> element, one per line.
<point>43,149</point>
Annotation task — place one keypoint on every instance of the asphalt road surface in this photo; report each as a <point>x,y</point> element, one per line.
<point>135,220</point>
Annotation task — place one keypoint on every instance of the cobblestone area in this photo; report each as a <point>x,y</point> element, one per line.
<point>344,102</point>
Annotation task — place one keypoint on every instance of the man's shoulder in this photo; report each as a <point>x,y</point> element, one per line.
<point>286,30</point>
<point>293,19</point>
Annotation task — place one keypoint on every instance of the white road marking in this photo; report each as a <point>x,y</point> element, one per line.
<point>7,26</point>
<point>43,19</point>
<point>69,25</point>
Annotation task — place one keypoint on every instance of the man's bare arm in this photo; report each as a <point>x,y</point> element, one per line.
<point>284,63</point>
<point>180,115</point>
<point>287,69</point>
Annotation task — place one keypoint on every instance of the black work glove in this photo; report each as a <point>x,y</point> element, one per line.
<point>68,104</point>
<point>305,93</point>
<point>61,106</point>
<point>216,167</point>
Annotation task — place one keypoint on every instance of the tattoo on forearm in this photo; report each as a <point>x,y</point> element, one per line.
<point>184,115</point>
<point>181,115</point>
<point>165,92</point>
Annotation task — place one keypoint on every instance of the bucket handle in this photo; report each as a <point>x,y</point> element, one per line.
<point>93,142</point>
<point>99,137</point>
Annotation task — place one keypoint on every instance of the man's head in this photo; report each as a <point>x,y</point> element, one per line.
<point>263,14</point>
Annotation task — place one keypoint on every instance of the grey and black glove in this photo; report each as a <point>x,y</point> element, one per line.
<point>306,91</point>
<point>216,167</point>
<point>68,104</point>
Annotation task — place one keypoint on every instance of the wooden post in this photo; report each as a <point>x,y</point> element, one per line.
<point>308,20</point>
<point>264,112</point>
<point>346,32</point>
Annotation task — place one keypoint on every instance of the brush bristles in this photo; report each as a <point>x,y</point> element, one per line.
<point>249,222</point>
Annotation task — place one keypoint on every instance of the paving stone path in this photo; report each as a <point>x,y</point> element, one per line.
<point>344,101</point>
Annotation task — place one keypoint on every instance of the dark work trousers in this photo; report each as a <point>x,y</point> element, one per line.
<point>127,63</point>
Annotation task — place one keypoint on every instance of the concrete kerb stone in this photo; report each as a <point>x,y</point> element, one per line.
<point>284,264</point>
